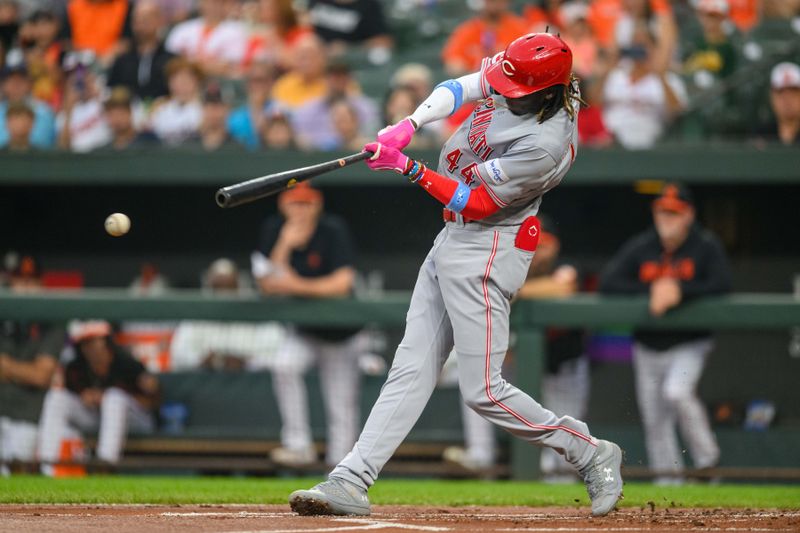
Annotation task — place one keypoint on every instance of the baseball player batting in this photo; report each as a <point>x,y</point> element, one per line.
<point>518,144</point>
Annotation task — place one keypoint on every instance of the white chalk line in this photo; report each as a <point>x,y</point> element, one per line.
<point>358,524</point>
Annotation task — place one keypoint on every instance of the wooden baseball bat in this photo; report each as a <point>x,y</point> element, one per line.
<point>257,188</point>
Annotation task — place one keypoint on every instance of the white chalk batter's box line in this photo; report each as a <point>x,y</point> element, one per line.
<point>358,524</point>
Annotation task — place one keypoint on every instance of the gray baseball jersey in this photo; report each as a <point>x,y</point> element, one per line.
<point>463,294</point>
<point>516,158</point>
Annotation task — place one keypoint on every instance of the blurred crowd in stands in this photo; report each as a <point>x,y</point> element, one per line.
<point>86,75</point>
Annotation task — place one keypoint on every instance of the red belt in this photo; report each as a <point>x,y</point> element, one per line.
<point>451,216</point>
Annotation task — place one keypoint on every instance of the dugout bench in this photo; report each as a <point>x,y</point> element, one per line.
<point>249,432</point>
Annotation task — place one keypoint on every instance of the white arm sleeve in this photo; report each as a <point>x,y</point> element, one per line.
<point>447,97</point>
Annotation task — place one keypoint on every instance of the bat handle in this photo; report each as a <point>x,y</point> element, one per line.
<point>361,156</point>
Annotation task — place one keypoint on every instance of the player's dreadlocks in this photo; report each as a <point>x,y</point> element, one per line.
<point>568,94</point>
<point>547,102</point>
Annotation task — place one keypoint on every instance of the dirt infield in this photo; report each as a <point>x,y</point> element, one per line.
<point>272,518</point>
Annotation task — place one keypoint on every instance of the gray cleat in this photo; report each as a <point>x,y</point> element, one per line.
<point>603,478</point>
<point>333,497</point>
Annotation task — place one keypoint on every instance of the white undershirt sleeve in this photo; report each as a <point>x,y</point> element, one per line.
<point>447,97</point>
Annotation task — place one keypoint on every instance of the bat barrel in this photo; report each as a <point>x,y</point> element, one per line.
<point>241,194</point>
<point>254,189</point>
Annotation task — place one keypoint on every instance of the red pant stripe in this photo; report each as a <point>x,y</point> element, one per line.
<point>487,376</point>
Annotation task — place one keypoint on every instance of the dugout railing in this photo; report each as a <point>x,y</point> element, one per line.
<point>737,312</point>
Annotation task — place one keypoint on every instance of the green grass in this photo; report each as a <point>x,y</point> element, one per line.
<point>188,490</point>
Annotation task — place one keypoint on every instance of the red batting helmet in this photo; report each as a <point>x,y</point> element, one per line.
<point>531,63</point>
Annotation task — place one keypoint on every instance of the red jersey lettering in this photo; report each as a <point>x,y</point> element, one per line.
<point>476,137</point>
<point>469,173</point>
<point>452,159</point>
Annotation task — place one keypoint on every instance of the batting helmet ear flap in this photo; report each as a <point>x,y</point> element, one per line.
<point>529,64</point>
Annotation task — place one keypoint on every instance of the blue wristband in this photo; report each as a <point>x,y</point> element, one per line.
<point>458,92</point>
<point>460,198</point>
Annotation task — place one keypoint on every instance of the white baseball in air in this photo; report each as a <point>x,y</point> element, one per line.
<point>117,224</point>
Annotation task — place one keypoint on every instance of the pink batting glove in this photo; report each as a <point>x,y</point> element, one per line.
<point>386,158</point>
<point>399,135</point>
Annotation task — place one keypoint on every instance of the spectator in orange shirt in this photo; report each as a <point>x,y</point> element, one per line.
<point>102,26</point>
<point>482,36</point>
<point>307,81</point>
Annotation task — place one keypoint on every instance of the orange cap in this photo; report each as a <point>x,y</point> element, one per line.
<point>674,197</point>
<point>302,192</point>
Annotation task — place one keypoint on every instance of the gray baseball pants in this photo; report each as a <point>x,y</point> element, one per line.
<point>666,390</point>
<point>339,378</point>
<point>462,297</point>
